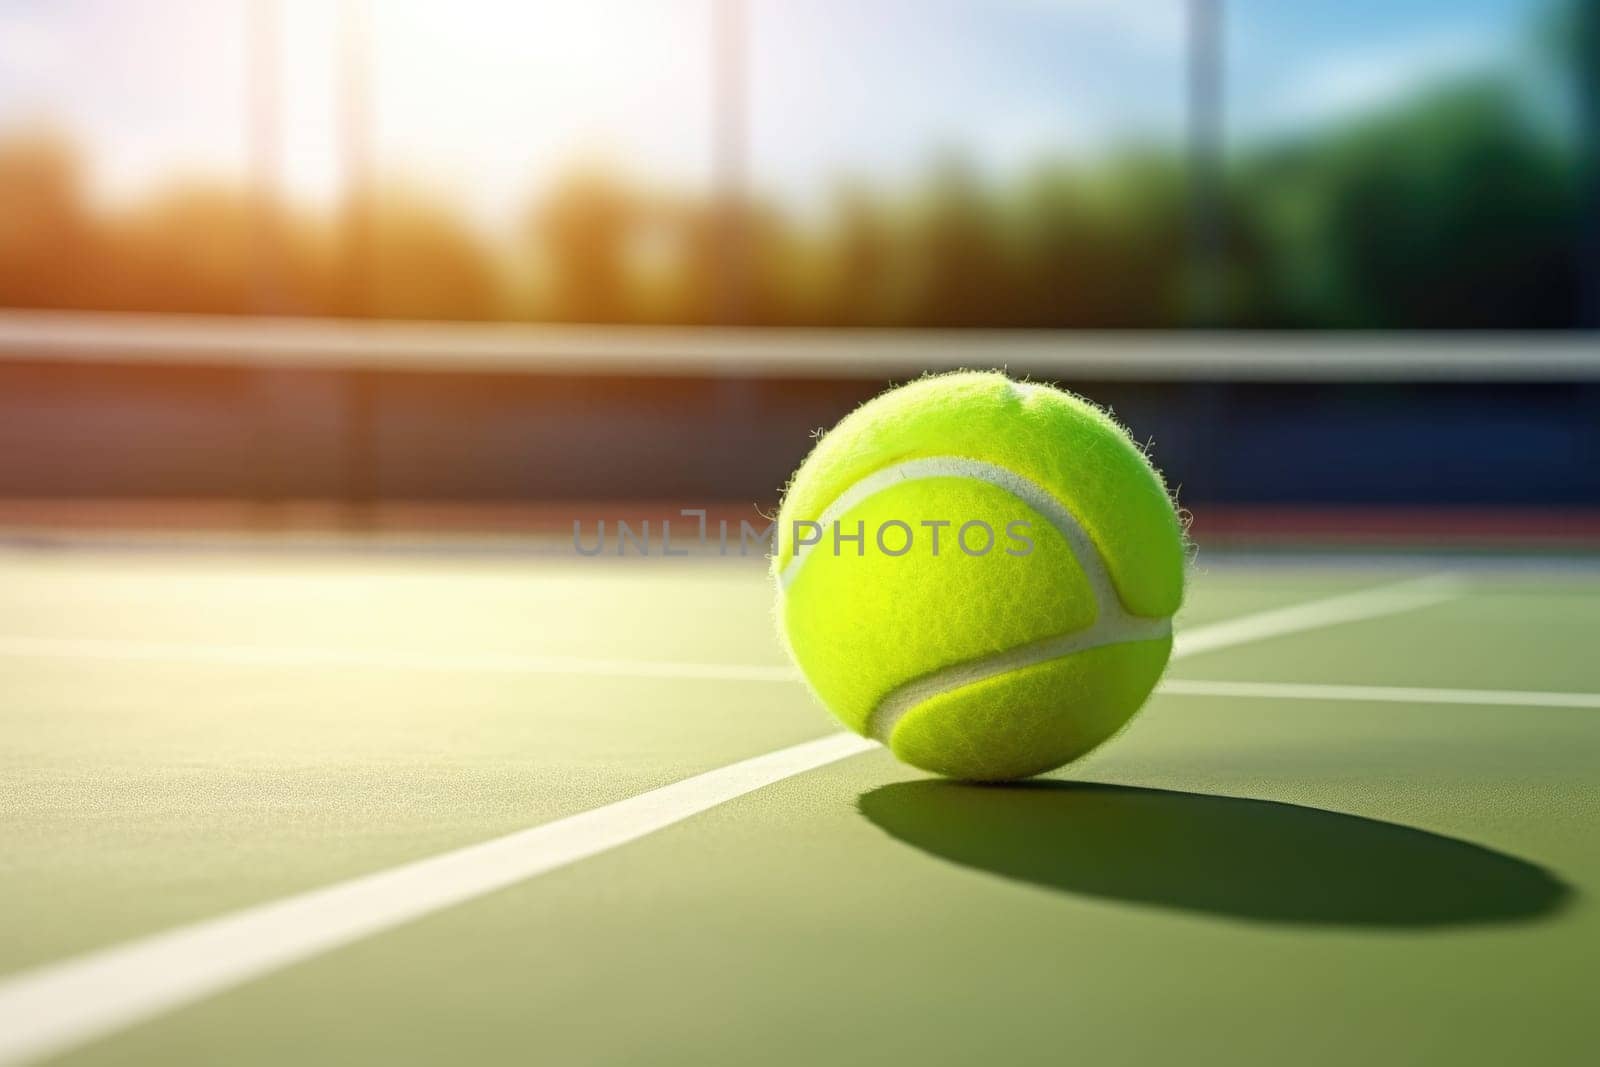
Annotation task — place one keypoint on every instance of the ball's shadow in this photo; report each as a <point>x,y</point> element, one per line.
<point>1246,859</point>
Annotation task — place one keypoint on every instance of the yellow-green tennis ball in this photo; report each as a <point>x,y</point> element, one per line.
<point>979,573</point>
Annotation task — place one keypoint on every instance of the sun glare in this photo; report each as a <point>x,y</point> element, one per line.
<point>505,97</point>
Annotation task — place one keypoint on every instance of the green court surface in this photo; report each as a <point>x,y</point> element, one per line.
<point>1237,879</point>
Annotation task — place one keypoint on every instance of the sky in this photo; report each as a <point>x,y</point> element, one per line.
<point>489,102</point>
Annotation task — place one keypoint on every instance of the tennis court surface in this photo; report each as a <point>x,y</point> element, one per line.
<point>358,707</point>
<point>244,785</point>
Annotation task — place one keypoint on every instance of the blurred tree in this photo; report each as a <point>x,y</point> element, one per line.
<point>186,249</point>
<point>1450,212</point>
<point>47,237</point>
<point>427,264</point>
<point>1102,246</point>
<point>964,274</point>
<point>191,247</point>
<point>1577,48</point>
<point>865,272</point>
<point>584,227</point>
<point>781,287</point>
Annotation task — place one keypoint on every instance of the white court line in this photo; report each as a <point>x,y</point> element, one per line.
<point>68,1003</point>
<point>1202,639</point>
<point>1395,694</point>
<point>303,656</point>
<point>1350,607</point>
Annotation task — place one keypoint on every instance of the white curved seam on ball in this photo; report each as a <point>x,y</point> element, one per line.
<point>1029,492</point>
<point>1122,630</point>
<point>1113,625</point>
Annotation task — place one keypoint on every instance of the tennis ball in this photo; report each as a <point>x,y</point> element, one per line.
<point>979,573</point>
